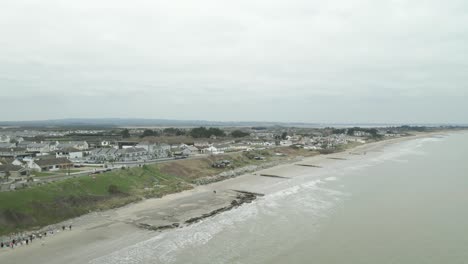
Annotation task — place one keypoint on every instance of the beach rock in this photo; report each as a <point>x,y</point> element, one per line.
<point>243,170</point>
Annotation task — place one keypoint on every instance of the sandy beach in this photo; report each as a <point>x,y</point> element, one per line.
<point>101,233</point>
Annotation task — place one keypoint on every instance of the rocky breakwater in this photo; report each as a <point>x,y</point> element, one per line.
<point>243,170</point>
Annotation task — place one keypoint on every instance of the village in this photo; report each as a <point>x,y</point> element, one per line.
<point>30,157</point>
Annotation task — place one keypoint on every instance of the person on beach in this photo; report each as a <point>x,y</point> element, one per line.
<point>70,227</point>
<point>1,244</point>
<point>63,228</point>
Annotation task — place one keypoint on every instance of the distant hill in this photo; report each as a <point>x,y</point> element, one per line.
<point>139,122</point>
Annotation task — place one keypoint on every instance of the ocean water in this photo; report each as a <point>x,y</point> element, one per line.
<point>407,204</point>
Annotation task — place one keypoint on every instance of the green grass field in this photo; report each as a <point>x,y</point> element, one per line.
<point>52,173</point>
<point>58,201</point>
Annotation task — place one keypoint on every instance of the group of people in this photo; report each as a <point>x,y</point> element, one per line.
<point>22,240</point>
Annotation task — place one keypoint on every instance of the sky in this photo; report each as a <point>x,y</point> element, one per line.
<point>348,61</point>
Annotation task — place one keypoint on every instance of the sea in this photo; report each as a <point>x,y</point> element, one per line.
<point>407,204</point>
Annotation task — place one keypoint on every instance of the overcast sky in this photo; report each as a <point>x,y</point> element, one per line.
<point>292,60</point>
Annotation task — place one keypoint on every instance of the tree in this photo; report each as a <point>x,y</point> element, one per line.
<point>338,131</point>
<point>215,132</point>
<point>7,175</point>
<point>171,131</point>
<point>39,138</point>
<point>203,132</point>
<point>239,134</point>
<point>149,133</point>
<point>284,135</point>
<point>352,130</point>
<point>125,133</point>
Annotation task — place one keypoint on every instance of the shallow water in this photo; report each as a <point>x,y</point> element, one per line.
<point>404,205</point>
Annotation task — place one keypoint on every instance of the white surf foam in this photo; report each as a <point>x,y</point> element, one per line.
<point>164,248</point>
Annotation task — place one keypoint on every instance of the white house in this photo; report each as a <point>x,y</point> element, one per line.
<point>80,145</point>
<point>38,147</point>
<point>5,139</point>
<point>50,164</point>
<point>361,134</point>
<point>133,153</point>
<point>156,150</point>
<point>69,153</point>
<point>211,150</point>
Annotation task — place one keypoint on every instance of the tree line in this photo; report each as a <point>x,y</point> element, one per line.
<point>199,132</point>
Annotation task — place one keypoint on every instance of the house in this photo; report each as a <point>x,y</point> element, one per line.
<point>12,169</point>
<point>50,164</point>
<point>361,134</point>
<point>7,145</point>
<point>103,154</point>
<point>38,147</point>
<point>157,151</point>
<point>192,150</point>
<point>12,172</point>
<point>211,150</point>
<point>223,148</point>
<point>80,145</point>
<point>69,153</point>
<point>5,139</point>
<point>132,154</point>
<point>201,144</point>
<point>13,152</point>
<point>185,152</point>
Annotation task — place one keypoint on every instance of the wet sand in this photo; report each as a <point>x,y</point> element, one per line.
<point>101,233</point>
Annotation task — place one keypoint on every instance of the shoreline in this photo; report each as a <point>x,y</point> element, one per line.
<point>100,233</point>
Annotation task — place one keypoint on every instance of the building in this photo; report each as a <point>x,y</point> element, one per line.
<point>361,133</point>
<point>5,139</point>
<point>14,152</point>
<point>103,154</point>
<point>211,150</point>
<point>80,145</point>
<point>132,154</point>
<point>156,151</point>
<point>12,169</point>
<point>39,148</point>
<point>7,145</point>
<point>69,153</point>
<point>50,164</point>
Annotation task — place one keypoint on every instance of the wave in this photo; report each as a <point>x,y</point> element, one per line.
<point>312,198</point>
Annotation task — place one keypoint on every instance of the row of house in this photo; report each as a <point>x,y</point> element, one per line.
<point>14,169</point>
<point>138,152</point>
<point>45,147</point>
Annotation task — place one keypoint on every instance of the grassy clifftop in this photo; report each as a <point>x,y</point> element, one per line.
<point>58,201</point>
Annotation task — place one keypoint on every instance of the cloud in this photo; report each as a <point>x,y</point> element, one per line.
<point>205,59</point>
